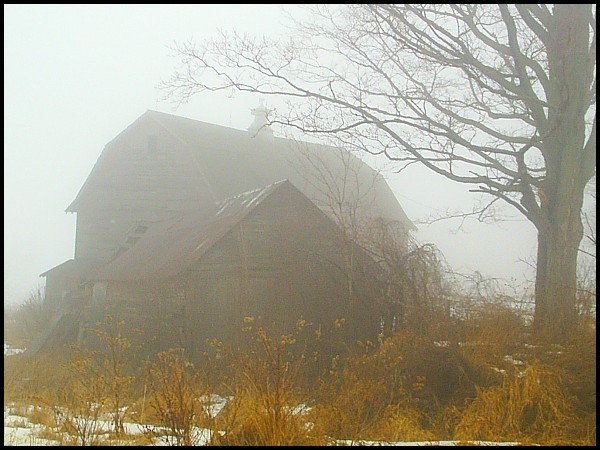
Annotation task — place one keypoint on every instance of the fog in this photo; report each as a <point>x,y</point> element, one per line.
<point>76,76</point>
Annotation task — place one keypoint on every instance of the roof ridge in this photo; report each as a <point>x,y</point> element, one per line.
<point>175,116</point>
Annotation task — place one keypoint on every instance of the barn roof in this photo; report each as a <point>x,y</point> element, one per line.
<point>73,269</point>
<point>234,161</point>
<point>170,246</point>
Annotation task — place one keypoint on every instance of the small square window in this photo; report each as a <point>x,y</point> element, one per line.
<point>132,240</point>
<point>120,251</point>
<point>140,229</point>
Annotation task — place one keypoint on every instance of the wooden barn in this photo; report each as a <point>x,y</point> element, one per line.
<point>185,228</point>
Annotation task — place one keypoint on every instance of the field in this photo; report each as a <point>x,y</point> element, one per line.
<point>486,382</point>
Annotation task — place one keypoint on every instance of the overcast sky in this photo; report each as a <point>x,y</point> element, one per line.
<point>76,76</point>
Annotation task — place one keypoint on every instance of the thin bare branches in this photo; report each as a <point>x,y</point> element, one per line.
<point>394,79</point>
<point>500,97</point>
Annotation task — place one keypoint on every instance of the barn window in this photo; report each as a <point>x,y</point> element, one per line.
<point>132,240</point>
<point>99,292</point>
<point>120,251</point>
<point>140,229</point>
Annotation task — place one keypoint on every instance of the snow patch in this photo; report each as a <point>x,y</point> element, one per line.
<point>10,351</point>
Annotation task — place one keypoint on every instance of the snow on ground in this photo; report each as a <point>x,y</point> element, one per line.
<point>9,351</point>
<point>213,404</point>
<point>423,443</point>
<point>19,431</point>
<point>25,436</point>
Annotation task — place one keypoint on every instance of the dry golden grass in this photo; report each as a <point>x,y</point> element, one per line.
<point>255,417</point>
<point>42,415</point>
<point>577,357</point>
<point>390,389</point>
<point>265,393</point>
<point>402,423</point>
<point>406,387</point>
<point>52,435</point>
<point>532,408</point>
<point>34,380</point>
<point>493,332</point>
<point>349,405</point>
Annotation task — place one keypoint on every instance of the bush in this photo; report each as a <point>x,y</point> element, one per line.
<point>402,423</point>
<point>406,374</point>
<point>25,322</point>
<point>264,408</point>
<point>577,357</point>
<point>174,392</point>
<point>531,408</point>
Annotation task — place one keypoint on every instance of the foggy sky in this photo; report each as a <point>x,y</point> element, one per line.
<point>76,76</point>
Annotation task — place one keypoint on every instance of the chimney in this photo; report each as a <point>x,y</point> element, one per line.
<point>260,125</point>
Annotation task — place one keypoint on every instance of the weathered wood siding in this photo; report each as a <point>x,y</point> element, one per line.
<point>56,288</point>
<point>145,174</point>
<point>282,263</point>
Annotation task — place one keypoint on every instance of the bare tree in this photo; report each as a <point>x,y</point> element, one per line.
<point>408,286</point>
<point>28,319</point>
<point>501,97</point>
<point>345,193</point>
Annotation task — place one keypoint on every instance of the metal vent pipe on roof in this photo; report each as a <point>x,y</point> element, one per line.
<point>260,126</point>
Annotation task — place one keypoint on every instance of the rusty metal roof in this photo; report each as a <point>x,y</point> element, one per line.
<point>172,245</point>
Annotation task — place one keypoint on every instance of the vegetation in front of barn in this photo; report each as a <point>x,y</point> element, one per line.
<point>475,375</point>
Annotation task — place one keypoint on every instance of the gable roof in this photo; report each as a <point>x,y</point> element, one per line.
<point>172,245</point>
<point>233,161</point>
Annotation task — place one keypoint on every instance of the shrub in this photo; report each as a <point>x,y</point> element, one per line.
<point>403,423</point>
<point>111,365</point>
<point>174,392</point>
<point>577,357</point>
<point>82,401</point>
<point>363,397</point>
<point>264,409</point>
<point>532,408</point>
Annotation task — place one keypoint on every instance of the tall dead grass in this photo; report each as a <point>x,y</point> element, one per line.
<point>477,378</point>
<point>393,389</point>
<point>266,407</point>
<point>532,408</point>
<point>175,389</point>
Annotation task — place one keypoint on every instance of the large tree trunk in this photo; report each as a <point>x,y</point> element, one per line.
<point>560,229</point>
<point>556,281</point>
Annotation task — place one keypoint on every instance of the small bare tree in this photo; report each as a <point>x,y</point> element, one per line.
<point>113,368</point>
<point>344,188</point>
<point>29,318</point>
<point>412,276</point>
<point>175,390</point>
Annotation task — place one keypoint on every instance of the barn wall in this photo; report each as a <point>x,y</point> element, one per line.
<point>153,312</point>
<point>280,264</point>
<point>284,262</point>
<point>146,174</point>
<point>56,288</point>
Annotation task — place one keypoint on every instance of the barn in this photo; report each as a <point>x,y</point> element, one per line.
<point>185,228</point>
